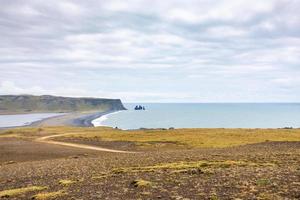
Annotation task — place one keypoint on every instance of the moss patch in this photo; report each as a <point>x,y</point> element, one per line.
<point>262,182</point>
<point>66,182</point>
<point>18,191</point>
<point>185,166</point>
<point>141,183</point>
<point>49,195</point>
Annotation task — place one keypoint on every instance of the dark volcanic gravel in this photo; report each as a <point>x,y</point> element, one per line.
<point>272,171</point>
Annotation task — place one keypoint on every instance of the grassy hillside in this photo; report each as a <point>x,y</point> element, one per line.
<point>46,103</point>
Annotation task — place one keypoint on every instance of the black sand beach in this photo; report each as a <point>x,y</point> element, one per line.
<point>78,119</point>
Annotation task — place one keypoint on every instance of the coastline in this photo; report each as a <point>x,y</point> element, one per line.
<point>76,119</point>
<point>102,118</point>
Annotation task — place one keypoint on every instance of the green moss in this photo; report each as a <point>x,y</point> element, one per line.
<point>214,197</point>
<point>262,182</point>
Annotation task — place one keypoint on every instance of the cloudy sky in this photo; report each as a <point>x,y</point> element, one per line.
<point>152,50</point>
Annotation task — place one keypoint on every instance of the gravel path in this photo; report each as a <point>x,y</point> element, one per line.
<point>46,139</point>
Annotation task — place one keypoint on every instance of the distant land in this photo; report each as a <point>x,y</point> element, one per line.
<point>12,104</point>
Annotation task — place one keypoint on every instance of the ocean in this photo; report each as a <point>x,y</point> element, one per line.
<point>204,115</point>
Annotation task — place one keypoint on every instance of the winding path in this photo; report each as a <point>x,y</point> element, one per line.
<point>47,139</point>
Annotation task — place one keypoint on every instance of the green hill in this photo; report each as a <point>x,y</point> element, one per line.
<point>46,103</point>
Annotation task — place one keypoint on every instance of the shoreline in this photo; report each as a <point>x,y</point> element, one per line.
<point>85,119</point>
<point>28,124</point>
<point>75,119</point>
<point>103,118</point>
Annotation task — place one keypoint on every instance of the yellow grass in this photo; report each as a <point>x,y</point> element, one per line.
<point>141,183</point>
<point>204,138</point>
<point>188,165</point>
<point>9,136</point>
<point>18,191</point>
<point>66,182</point>
<point>49,195</point>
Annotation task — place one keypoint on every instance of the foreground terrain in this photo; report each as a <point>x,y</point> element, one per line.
<point>105,163</point>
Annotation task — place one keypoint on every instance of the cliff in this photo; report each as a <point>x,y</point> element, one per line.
<point>36,104</point>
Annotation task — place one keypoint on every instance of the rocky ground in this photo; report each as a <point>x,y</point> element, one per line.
<point>268,170</point>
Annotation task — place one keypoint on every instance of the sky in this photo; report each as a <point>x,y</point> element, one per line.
<point>152,50</point>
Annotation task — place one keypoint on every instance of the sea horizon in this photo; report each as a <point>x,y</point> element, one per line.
<point>186,115</point>
<point>204,115</point>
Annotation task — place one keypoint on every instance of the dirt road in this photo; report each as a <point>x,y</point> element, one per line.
<point>47,139</point>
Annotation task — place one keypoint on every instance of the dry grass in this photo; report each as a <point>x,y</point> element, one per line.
<point>8,135</point>
<point>66,182</point>
<point>178,166</point>
<point>141,183</point>
<point>49,195</point>
<point>203,138</point>
<point>19,191</point>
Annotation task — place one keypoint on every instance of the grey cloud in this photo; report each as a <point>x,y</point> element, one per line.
<point>158,46</point>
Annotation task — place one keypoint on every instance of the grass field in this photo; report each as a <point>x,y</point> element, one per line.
<point>192,138</point>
